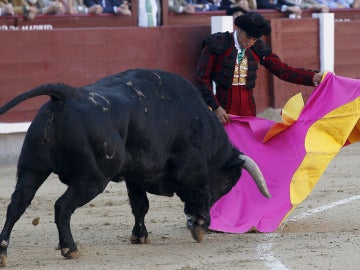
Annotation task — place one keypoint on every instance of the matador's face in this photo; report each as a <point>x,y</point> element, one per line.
<point>244,40</point>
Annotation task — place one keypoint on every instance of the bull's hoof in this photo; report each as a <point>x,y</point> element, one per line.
<point>3,253</point>
<point>70,254</point>
<point>139,240</point>
<point>3,260</point>
<point>197,232</point>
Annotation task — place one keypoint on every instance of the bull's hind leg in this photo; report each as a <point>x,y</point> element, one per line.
<point>27,185</point>
<point>73,198</point>
<point>139,205</point>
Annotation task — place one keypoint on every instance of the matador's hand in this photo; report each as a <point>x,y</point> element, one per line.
<point>318,78</point>
<point>222,115</point>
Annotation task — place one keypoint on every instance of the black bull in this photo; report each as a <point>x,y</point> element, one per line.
<point>149,128</point>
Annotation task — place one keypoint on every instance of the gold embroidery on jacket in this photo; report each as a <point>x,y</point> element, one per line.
<point>240,72</point>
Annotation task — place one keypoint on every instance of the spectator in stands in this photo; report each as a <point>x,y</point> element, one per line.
<point>191,6</point>
<point>355,4</point>
<point>25,8</point>
<point>6,8</point>
<point>204,5</point>
<point>281,5</point>
<point>149,13</point>
<point>50,7</point>
<point>312,5</point>
<point>78,7</point>
<point>181,6</point>
<point>332,4</point>
<point>232,61</point>
<point>244,4</point>
<point>117,7</point>
<point>216,4</point>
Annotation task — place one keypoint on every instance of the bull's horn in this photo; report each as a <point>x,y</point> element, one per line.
<point>253,169</point>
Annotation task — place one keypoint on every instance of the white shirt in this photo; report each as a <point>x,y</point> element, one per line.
<point>143,16</point>
<point>237,45</point>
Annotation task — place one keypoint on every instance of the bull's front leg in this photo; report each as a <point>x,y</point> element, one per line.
<point>197,207</point>
<point>139,205</point>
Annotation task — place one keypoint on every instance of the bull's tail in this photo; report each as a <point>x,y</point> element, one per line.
<point>55,91</point>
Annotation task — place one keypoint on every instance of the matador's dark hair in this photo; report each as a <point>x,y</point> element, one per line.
<point>253,24</point>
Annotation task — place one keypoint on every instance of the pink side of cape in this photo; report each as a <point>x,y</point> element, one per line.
<point>244,208</point>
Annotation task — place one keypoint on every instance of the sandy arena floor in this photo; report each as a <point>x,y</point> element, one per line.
<point>322,233</point>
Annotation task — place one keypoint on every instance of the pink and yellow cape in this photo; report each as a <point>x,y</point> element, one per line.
<point>292,155</point>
